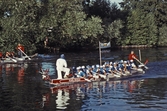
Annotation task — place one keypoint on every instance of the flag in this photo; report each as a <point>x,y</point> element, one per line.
<point>105,45</point>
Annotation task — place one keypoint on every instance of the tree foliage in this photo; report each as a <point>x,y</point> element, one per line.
<point>77,23</point>
<point>144,21</point>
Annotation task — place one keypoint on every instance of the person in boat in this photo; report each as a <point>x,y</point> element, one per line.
<point>126,67</point>
<point>132,65</point>
<point>9,54</point>
<point>20,49</point>
<point>80,72</point>
<point>1,54</point>
<point>132,56</point>
<point>116,69</point>
<point>89,72</point>
<point>100,69</point>
<point>61,66</point>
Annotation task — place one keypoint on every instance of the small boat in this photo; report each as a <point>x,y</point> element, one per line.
<point>17,59</point>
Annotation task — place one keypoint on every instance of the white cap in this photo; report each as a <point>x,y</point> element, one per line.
<point>83,67</point>
<point>121,61</point>
<point>97,66</point>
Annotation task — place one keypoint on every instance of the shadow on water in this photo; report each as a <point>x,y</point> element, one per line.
<point>22,89</point>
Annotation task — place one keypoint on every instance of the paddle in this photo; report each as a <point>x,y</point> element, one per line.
<point>25,54</point>
<point>14,60</point>
<point>36,54</point>
<point>87,80</point>
<point>141,63</point>
<point>83,77</point>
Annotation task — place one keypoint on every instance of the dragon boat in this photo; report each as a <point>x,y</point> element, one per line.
<point>71,79</point>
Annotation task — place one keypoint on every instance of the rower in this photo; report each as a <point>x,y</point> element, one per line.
<point>132,64</point>
<point>20,48</point>
<point>80,73</point>
<point>89,72</point>
<point>132,56</point>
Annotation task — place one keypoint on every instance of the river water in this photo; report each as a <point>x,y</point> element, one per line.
<point>22,89</point>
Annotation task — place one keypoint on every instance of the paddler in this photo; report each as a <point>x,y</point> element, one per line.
<point>133,57</point>
<point>61,66</point>
<point>19,48</point>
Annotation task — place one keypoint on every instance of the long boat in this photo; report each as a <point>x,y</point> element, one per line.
<point>99,77</point>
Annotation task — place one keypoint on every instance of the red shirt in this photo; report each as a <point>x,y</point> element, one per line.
<point>1,54</point>
<point>20,47</point>
<point>131,56</point>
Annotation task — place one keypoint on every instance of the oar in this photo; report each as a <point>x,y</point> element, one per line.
<point>84,78</point>
<point>25,54</point>
<point>142,63</point>
<point>14,60</point>
<point>36,54</point>
<point>87,80</point>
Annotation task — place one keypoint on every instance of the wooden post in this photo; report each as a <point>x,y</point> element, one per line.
<point>139,55</point>
<point>100,53</point>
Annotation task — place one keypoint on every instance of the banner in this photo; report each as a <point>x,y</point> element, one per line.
<point>105,45</point>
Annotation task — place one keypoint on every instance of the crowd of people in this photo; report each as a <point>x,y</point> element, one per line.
<point>114,68</point>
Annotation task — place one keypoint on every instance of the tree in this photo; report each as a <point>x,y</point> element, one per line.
<point>21,26</point>
<point>69,23</point>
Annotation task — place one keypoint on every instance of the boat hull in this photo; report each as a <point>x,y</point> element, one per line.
<point>67,81</point>
<point>13,60</point>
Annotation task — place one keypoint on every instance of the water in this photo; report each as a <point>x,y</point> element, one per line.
<point>21,87</point>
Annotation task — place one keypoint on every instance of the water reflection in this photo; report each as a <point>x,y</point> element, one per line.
<point>62,99</point>
<point>20,75</point>
<point>45,100</point>
<point>109,95</point>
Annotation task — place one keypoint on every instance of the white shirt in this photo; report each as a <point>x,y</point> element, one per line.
<point>60,63</point>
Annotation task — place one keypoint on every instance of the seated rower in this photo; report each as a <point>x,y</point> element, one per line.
<point>132,64</point>
<point>80,73</point>
<point>125,67</point>
<point>116,69</point>
<point>9,54</point>
<point>89,72</point>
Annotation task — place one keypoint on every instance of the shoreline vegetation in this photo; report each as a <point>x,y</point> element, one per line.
<point>56,49</point>
<point>64,25</point>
